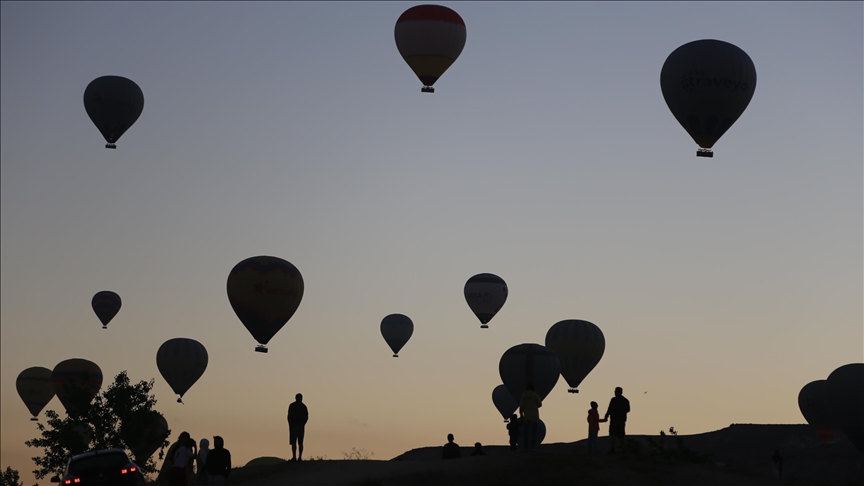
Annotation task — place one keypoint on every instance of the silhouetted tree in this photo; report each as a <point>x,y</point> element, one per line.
<point>10,477</point>
<point>118,417</point>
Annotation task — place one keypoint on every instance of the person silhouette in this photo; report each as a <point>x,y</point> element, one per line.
<point>218,464</point>
<point>593,427</point>
<point>298,415</point>
<point>451,449</point>
<point>168,463</point>
<point>617,411</point>
<point>778,460</point>
<point>513,428</point>
<point>478,450</point>
<point>201,461</point>
<point>529,410</point>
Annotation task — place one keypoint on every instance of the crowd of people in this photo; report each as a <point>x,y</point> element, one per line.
<point>187,464</point>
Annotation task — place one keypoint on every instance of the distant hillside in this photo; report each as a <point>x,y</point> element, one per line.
<point>745,448</point>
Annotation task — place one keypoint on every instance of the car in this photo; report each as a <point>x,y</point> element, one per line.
<point>103,467</point>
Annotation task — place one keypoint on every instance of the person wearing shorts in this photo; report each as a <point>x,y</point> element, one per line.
<point>617,412</point>
<point>298,415</point>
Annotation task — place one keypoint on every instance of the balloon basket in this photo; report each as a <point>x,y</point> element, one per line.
<point>34,419</point>
<point>104,326</point>
<point>572,390</point>
<point>427,89</point>
<point>110,145</point>
<point>484,326</point>
<point>260,349</point>
<point>180,400</point>
<point>704,153</point>
<point>395,355</point>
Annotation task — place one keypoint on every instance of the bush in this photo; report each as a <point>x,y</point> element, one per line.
<point>10,477</point>
<point>358,455</point>
<point>679,453</point>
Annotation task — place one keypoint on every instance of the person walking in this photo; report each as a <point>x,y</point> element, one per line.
<point>618,409</point>
<point>593,428</point>
<point>218,465</point>
<point>529,411</point>
<point>201,462</point>
<point>451,449</point>
<point>298,415</point>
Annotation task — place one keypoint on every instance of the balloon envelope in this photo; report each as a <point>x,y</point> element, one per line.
<point>485,294</point>
<point>429,38</point>
<point>504,402</point>
<point>35,388</point>
<point>529,363</point>
<point>150,438</point>
<point>846,399</point>
<point>579,346</point>
<point>113,103</point>
<point>541,434</point>
<point>707,84</point>
<point>397,330</point>
<point>106,304</point>
<point>181,361</point>
<point>76,381</point>
<point>264,292</point>
<point>814,406</point>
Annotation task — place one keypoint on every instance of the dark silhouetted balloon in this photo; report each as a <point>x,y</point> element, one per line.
<point>151,433</point>
<point>504,402</point>
<point>814,406</point>
<point>265,292</point>
<point>76,382</point>
<point>430,38</point>
<point>114,103</point>
<point>181,361</point>
<point>397,330</point>
<point>579,346</point>
<point>846,399</point>
<point>106,304</point>
<point>707,85</point>
<point>485,294</point>
<point>35,389</point>
<point>529,363</point>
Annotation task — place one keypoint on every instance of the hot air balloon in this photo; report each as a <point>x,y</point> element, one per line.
<point>76,381</point>
<point>485,294</point>
<point>265,292</point>
<point>504,402</point>
<point>106,304</point>
<point>148,433</point>
<point>529,363</point>
<point>707,85</point>
<point>429,38</point>
<point>846,401</point>
<point>35,389</point>
<point>579,346</point>
<point>113,103</point>
<point>397,330</point>
<point>813,402</point>
<point>181,361</point>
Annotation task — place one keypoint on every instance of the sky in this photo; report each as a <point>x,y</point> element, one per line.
<point>547,156</point>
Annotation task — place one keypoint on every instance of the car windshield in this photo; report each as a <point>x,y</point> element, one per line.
<point>114,460</point>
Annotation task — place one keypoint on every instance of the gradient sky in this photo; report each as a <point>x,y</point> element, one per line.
<point>547,156</point>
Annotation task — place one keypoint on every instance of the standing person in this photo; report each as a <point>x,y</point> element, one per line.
<point>618,409</point>
<point>529,410</point>
<point>201,462</point>
<point>778,460</point>
<point>190,465</point>
<point>513,430</point>
<point>182,458</point>
<point>298,415</point>
<point>451,449</point>
<point>218,464</point>
<point>593,428</point>
<point>168,463</point>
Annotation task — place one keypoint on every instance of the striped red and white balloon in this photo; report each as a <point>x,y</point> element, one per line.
<point>106,305</point>
<point>430,39</point>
